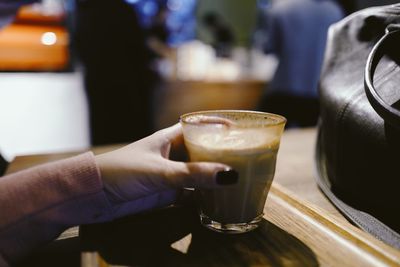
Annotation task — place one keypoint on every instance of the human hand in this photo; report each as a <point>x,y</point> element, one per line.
<point>141,176</point>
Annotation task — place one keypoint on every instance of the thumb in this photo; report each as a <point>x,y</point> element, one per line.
<point>201,174</point>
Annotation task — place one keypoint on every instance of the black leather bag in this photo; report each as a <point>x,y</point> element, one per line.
<point>358,146</point>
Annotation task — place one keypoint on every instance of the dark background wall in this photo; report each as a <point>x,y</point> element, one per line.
<point>367,3</point>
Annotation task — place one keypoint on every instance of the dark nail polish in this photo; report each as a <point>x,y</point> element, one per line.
<point>227,177</point>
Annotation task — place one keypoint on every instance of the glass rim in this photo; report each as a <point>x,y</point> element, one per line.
<point>278,119</point>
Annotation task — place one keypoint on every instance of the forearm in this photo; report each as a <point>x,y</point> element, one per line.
<point>38,204</point>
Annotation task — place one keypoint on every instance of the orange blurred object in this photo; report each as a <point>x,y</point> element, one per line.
<point>37,14</point>
<point>36,41</point>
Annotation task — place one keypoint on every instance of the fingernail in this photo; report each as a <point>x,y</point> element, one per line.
<point>227,177</point>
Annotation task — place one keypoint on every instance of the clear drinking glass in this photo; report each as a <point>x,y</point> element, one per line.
<point>248,141</point>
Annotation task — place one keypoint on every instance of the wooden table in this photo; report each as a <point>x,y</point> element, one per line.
<point>300,228</point>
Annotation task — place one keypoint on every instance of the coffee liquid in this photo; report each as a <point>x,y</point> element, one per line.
<point>252,153</point>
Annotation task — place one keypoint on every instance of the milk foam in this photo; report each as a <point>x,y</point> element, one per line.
<point>236,139</point>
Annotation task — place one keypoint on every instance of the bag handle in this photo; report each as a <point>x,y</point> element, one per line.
<point>387,112</point>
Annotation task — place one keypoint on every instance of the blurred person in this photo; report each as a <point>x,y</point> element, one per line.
<point>158,29</point>
<point>118,75</point>
<point>157,35</point>
<point>223,38</point>
<point>296,31</point>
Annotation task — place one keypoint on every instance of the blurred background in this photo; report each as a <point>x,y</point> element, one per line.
<point>76,73</point>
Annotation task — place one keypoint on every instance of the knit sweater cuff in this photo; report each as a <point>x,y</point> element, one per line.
<point>39,203</point>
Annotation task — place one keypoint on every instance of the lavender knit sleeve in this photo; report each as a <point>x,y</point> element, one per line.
<point>37,204</point>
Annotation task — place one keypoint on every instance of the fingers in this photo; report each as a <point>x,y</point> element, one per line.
<point>201,174</point>
<point>173,134</point>
<point>194,174</point>
<point>178,149</point>
<point>174,143</point>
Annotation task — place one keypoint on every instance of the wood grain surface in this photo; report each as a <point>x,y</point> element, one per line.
<point>292,233</point>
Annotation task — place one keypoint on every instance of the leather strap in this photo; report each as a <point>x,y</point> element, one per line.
<point>387,44</point>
